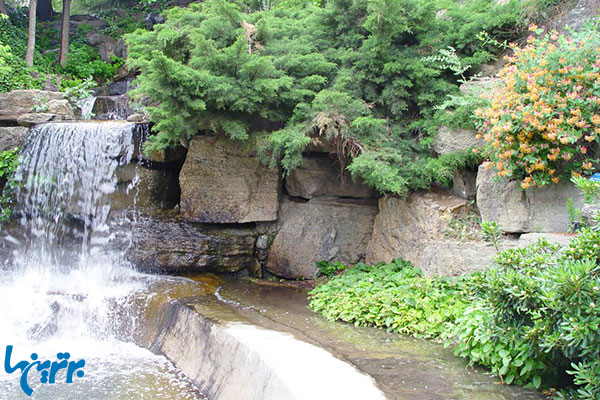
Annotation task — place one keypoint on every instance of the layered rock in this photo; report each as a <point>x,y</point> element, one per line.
<point>172,245</point>
<point>320,229</point>
<point>33,106</point>
<point>539,209</point>
<point>321,176</point>
<point>449,140</point>
<point>11,137</point>
<point>222,182</point>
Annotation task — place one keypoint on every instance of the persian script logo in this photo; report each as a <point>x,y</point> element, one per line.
<point>47,368</point>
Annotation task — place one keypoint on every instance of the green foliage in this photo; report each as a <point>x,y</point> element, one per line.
<point>543,124</point>
<point>532,318</point>
<point>394,296</point>
<point>329,269</point>
<point>491,232</point>
<point>589,188</point>
<point>8,165</point>
<point>464,227</point>
<point>359,73</point>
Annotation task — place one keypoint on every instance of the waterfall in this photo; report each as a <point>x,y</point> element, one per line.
<point>65,289</point>
<point>87,107</point>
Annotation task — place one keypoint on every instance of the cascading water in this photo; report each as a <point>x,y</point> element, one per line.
<point>65,289</point>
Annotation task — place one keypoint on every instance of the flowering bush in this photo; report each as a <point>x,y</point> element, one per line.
<point>543,124</point>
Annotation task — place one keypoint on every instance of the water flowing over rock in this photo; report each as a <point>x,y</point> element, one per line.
<point>322,229</point>
<point>221,182</point>
<point>539,209</point>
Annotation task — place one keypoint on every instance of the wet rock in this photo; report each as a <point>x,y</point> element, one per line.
<point>262,242</point>
<point>516,210</point>
<point>112,107</point>
<point>171,245</point>
<point>449,140</point>
<point>223,182</point>
<point>153,192</point>
<point>19,102</point>
<point>119,87</point>
<point>11,137</point>
<point>321,229</point>
<point>320,176</point>
<point>31,119</point>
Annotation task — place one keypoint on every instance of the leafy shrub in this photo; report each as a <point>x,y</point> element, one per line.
<point>532,318</point>
<point>8,165</point>
<point>330,268</point>
<point>544,122</point>
<point>355,72</point>
<point>394,296</point>
<point>589,188</point>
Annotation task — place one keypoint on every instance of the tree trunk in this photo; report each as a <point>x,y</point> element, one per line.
<point>31,34</point>
<point>64,33</point>
<point>44,10</point>
<point>3,9</point>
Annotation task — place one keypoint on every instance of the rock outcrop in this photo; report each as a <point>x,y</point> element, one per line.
<point>221,182</point>
<point>324,228</point>
<point>516,210</point>
<point>172,245</point>
<point>27,107</point>
<point>11,137</point>
<point>321,176</point>
<point>449,140</point>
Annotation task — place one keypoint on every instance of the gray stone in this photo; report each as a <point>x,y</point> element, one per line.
<point>527,239</point>
<point>112,107</point>
<point>153,192</point>
<point>62,108</point>
<point>152,19</point>
<point>170,245</point>
<point>31,119</point>
<point>403,228</point>
<point>138,118</point>
<point>321,229</point>
<point>224,182</point>
<point>464,184</point>
<point>588,213</point>
<point>18,102</point>
<point>321,176</point>
<point>534,210</point>
<point>11,137</point>
<point>119,87</point>
<point>449,140</point>
<point>576,18</point>
<point>262,242</point>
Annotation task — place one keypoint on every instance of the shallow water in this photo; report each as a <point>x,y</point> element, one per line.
<point>63,290</point>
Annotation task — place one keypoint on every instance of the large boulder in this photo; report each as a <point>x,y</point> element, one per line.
<point>321,176</point>
<point>223,182</point>
<point>576,18</point>
<point>449,140</point>
<point>329,229</point>
<point>17,103</point>
<point>112,107</point>
<point>170,245</point>
<point>516,210</point>
<point>11,137</point>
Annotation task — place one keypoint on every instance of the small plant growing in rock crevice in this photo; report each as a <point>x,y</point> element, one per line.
<point>491,232</point>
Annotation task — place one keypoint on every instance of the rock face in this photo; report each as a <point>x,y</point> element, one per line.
<point>464,184</point>
<point>155,191</point>
<point>112,107</point>
<point>221,182</point>
<point>11,137</point>
<point>320,176</point>
<point>579,15</point>
<point>535,210</point>
<point>321,229</point>
<point>449,140</point>
<point>404,228</point>
<point>24,103</point>
<point>170,245</point>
